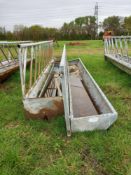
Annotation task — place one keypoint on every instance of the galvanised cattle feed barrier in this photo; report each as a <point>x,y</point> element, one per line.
<point>118,51</point>
<point>40,81</point>
<point>52,87</point>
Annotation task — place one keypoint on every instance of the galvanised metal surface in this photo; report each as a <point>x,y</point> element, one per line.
<point>41,62</point>
<point>107,114</point>
<point>43,108</point>
<point>39,86</point>
<point>118,51</point>
<point>65,89</point>
<point>8,58</point>
<point>81,102</point>
<point>89,120</point>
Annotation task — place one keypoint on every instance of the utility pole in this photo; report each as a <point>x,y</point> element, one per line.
<point>96,17</point>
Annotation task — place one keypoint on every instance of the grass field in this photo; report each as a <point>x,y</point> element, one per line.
<point>42,148</point>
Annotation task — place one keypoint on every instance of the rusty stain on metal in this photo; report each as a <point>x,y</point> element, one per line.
<point>44,108</point>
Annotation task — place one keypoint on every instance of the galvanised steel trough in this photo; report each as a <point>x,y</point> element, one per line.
<point>86,107</point>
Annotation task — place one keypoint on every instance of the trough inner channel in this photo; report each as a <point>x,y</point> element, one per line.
<point>81,101</point>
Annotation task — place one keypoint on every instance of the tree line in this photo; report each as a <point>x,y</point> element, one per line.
<point>81,28</point>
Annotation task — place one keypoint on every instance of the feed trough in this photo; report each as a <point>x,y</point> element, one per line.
<point>86,107</point>
<point>42,96</point>
<point>117,51</point>
<point>51,88</point>
<point>8,58</point>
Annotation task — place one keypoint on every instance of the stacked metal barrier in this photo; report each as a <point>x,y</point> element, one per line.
<point>41,54</point>
<point>118,51</point>
<point>8,58</point>
<point>9,52</point>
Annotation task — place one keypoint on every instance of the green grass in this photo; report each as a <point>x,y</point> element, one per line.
<point>42,148</point>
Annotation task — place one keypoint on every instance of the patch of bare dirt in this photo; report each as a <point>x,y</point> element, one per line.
<point>112,89</point>
<point>76,44</point>
<point>91,165</point>
<point>5,87</point>
<point>12,125</point>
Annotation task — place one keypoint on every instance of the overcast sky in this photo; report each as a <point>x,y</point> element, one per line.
<point>53,13</point>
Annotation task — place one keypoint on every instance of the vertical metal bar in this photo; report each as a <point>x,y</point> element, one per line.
<point>105,46</point>
<point>45,50</point>
<point>21,70</point>
<point>112,44</point>
<point>116,44</point>
<point>42,58</point>
<point>24,68</point>
<point>22,60</point>
<point>39,60</point>
<point>126,48</point>
<point>35,74</point>
<point>121,46</point>
<point>31,65</point>
<point>108,43</point>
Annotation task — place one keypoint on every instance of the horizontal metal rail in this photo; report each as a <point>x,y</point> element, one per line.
<point>13,42</point>
<point>35,44</point>
<point>40,55</point>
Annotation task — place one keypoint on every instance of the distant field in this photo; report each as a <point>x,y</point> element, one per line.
<point>42,148</point>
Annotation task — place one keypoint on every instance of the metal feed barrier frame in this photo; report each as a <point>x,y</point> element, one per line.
<point>41,58</point>
<point>107,115</point>
<point>118,51</point>
<point>9,58</point>
<point>40,88</point>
